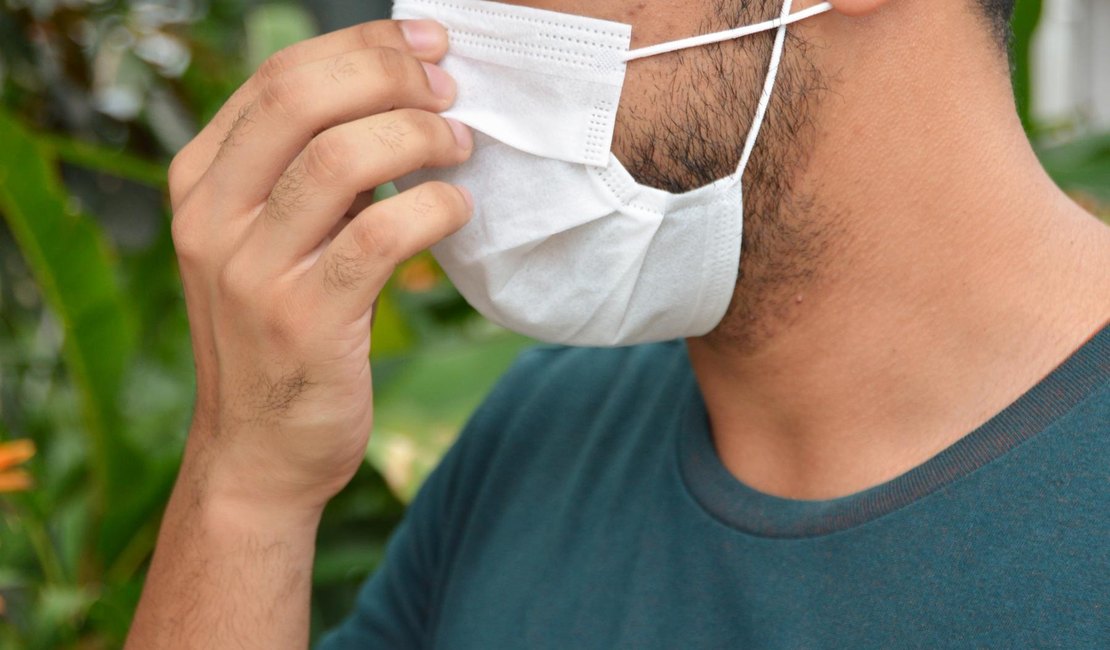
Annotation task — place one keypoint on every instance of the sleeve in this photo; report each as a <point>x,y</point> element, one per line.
<point>395,605</point>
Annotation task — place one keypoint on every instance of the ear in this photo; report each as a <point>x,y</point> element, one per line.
<point>856,7</point>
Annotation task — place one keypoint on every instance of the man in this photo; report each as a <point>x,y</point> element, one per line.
<point>896,436</point>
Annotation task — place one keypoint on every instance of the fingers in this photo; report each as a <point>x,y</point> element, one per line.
<point>423,39</point>
<point>352,270</point>
<point>342,162</point>
<point>295,106</point>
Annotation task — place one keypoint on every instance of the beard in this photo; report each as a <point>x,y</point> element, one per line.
<point>682,124</point>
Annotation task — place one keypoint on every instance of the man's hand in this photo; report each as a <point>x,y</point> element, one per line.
<point>282,257</point>
<point>279,283</point>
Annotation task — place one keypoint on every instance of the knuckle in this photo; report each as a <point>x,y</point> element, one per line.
<point>186,236</point>
<point>415,76</point>
<point>375,239</point>
<point>389,65</point>
<point>426,128</point>
<point>229,282</point>
<point>239,125</point>
<point>373,33</point>
<point>343,67</point>
<point>367,34</point>
<point>343,272</point>
<point>282,97</point>
<point>439,196</point>
<point>327,159</point>
<point>386,58</point>
<point>274,66</point>
<point>237,285</point>
<point>289,194</point>
<point>178,171</point>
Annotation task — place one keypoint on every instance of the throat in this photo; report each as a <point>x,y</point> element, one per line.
<point>862,380</point>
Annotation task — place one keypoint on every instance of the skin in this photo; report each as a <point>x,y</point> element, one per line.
<point>919,272</point>
<point>281,263</point>
<point>908,270</point>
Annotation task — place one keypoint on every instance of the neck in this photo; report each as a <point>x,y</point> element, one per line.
<point>960,277</point>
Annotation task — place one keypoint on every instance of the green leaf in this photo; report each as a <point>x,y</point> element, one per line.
<point>109,617</point>
<point>60,611</point>
<point>391,334</point>
<point>75,272</point>
<point>130,528</point>
<point>108,161</point>
<point>419,412</point>
<point>1027,15</point>
<point>1081,165</point>
<point>270,27</point>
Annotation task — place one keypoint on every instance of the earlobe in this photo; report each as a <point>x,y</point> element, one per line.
<point>856,7</point>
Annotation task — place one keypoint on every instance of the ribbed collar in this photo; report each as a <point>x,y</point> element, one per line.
<point>757,513</point>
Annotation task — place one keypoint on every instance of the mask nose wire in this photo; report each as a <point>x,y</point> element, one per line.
<point>727,35</point>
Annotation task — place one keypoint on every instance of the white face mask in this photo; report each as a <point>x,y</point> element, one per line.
<point>564,246</point>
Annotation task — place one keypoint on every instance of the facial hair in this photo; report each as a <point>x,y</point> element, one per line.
<point>686,127</point>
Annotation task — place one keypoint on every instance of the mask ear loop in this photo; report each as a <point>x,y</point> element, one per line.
<point>768,88</point>
<point>785,18</point>
<point>717,37</point>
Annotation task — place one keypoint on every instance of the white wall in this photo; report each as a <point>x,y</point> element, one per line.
<point>1071,64</point>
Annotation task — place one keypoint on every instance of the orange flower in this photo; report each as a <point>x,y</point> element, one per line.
<point>418,275</point>
<point>11,454</point>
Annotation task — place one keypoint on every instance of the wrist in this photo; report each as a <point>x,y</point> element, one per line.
<point>227,488</point>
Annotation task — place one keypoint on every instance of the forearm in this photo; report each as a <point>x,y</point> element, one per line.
<point>280,282</point>
<point>225,574</point>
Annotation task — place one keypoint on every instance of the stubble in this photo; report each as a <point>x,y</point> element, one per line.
<point>687,128</point>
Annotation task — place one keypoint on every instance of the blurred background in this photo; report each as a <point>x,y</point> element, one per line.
<point>95,366</point>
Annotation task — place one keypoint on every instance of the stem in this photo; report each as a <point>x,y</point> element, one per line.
<point>101,159</point>
<point>44,550</point>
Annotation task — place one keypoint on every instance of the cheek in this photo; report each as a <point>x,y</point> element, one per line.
<point>684,117</point>
<point>649,101</point>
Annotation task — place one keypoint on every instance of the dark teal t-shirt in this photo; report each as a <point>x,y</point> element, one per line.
<point>584,507</point>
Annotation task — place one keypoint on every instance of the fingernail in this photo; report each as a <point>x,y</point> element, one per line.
<point>422,34</point>
<point>466,196</point>
<point>440,82</point>
<point>462,133</point>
